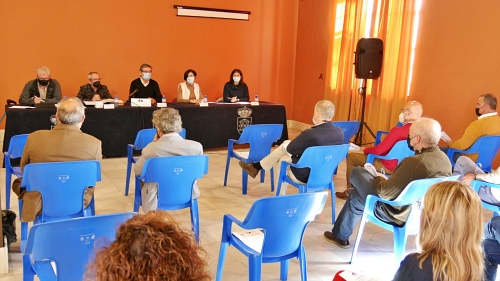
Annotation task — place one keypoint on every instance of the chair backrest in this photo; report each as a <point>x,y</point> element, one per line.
<point>261,138</point>
<point>182,133</point>
<point>144,137</point>
<point>350,128</point>
<point>322,161</point>
<point>70,243</point>
<point>399,151</point>
<point>487,147</point>
<point>284,219</point>
<point>175,176</point>
<point>16,145</point>
<point>62,185</point>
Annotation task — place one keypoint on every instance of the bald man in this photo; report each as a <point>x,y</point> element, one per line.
<point>411,112</point>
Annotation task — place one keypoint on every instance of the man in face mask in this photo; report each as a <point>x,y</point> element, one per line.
<point>144,86</point>
<point>487,124</point>
<point>41,89</point>
<point>411,112</point>
<point>93,90</point>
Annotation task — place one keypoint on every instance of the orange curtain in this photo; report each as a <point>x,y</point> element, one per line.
<point>391,21</point>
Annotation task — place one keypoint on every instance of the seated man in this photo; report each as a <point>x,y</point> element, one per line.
<point>41,89</point>
<point>93,90</point>
<point>66,142</point>
<point>322,133</point>
<point>491,248</point>
<point>144,86</point>
<point>409,113</point>
<point>428,162</point>
<point>487,124</point>
<point>469,171</point>
<point>167,142</point>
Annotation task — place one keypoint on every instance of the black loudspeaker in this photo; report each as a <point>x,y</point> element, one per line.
<point>368,58</point>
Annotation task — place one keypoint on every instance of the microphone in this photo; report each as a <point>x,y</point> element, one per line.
<point>133,93</point>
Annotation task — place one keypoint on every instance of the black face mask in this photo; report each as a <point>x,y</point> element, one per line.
<point>477,112</point>
<point>409,145</point>
<point>97,84</point>
<point>43,82</point>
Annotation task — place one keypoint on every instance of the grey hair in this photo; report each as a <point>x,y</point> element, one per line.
<point>325,109</point>
<point>90,74</point>
<point>490,100</point>
<point>428,129</point>
<point>43,69</point>
<point>167,120</point>
<point>70,111</point>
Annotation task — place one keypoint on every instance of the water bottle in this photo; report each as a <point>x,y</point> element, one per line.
<point>163,99</point>
<point>116,101</point>
<point>256,98</point>
<point>205,99</point>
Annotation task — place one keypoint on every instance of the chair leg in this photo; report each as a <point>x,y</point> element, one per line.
<point>24,230</point>
<point>127,180</point>
<point>227,167</point>
<point>195,220</point>
<point>271,175</point>
<point>137,195</point>
<point>303,263</point>
<point>244,182</point>
<point>262,175</point>
<point>284,269</point>
<point>222,258</point>
<point>28,272</point>
<point>400,238</point>
<point>8,179</point>
<point>358,239</point>
<point>255,267</point>
<point>280,182</point>
<point>332,198</point>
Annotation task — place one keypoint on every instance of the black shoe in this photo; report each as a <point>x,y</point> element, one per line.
<point>344,244</point>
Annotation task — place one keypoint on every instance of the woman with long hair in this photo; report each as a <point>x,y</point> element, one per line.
<point>236,89</point>
<point>150,247</point>
<point>450,237</point>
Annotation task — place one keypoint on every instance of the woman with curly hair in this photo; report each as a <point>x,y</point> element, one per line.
<point>450,237</point>
<point>150,247</point>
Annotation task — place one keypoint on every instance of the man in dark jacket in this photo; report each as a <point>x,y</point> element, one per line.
<point>41,89</point>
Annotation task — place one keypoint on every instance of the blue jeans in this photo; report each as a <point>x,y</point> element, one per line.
<point>491,247</point>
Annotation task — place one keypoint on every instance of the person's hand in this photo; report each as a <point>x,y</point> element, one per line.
<point>96,97</point>
<point>37,100</point>
<point>153,101</point>
<point>157,137</point>
<point>381,175</point>
<point>467,179</point>
<point>234,99</point>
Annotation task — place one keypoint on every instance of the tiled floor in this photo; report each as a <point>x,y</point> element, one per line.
<point>323,259</point>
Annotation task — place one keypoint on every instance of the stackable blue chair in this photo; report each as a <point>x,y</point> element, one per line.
<point>62,186</point>
<point>398,152</point>
<point>380,134</point>
<point>476,184</point>
<point>322,161</point>
<point>143,138</point>
<point>486,147</point>
<point>411,195</point>
<point>61,250</point>
<point>16,147</point>
<point>279,223</point>
<point>261,138</point>
<point>350,128</point>
<point>175,176</point>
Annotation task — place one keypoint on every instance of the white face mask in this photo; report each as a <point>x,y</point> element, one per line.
<point>190,80</point>
<point>237,79</point>
<point>401,117</point>
<point>146,76</point>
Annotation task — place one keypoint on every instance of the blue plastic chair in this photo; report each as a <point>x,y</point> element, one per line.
<point>143,138</point>
<point>411,195</point>
<point>398,152</point>
<point>476,184</point>
<point>62,185</point>
<point>350,128</point>
<point>69,244</point>
<point>16,147</point>
<point>380,134</point>
<point>322,161</point>
<point>283,221</point>
<point>486,147</point>
<point>175,176</point>
<point>261,138</point>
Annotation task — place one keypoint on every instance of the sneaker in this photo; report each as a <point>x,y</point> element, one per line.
<point>344,244</point>
<point>249,168</point>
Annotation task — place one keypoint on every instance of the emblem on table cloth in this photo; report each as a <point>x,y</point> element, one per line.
<point>245,118</point>
<point>53,120</point>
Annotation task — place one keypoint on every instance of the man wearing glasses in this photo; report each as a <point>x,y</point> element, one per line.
<point>144,86</point>
<point>411,112</point>
<point>93,90</point>
<point>41,89</point>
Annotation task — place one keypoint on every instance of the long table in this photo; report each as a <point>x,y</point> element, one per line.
<point>212,126</point>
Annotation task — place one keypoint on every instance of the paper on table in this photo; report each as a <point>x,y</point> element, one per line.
<point>252,238</point>
<point>21,106</point>
<point>445,136</point>
<point>357,276</point>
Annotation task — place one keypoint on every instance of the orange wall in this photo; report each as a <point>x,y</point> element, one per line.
<point>457,59</point>
<point>113,38</point>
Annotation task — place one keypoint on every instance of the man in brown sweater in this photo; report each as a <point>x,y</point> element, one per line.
<point>428,162</point>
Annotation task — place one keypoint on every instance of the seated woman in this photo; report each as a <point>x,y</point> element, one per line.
<point>189,91</point>
<point>150,247</point>
<point>236,90</point>
<point>449,237</point>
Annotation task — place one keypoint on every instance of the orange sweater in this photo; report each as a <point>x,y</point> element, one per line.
<point>488,126</point>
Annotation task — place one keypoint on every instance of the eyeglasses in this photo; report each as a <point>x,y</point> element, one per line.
<point>95,79</point>
<point>412,137</point>
<point>146,71</point>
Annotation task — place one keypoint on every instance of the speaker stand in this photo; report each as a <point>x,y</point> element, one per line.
<point>359,136</point>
